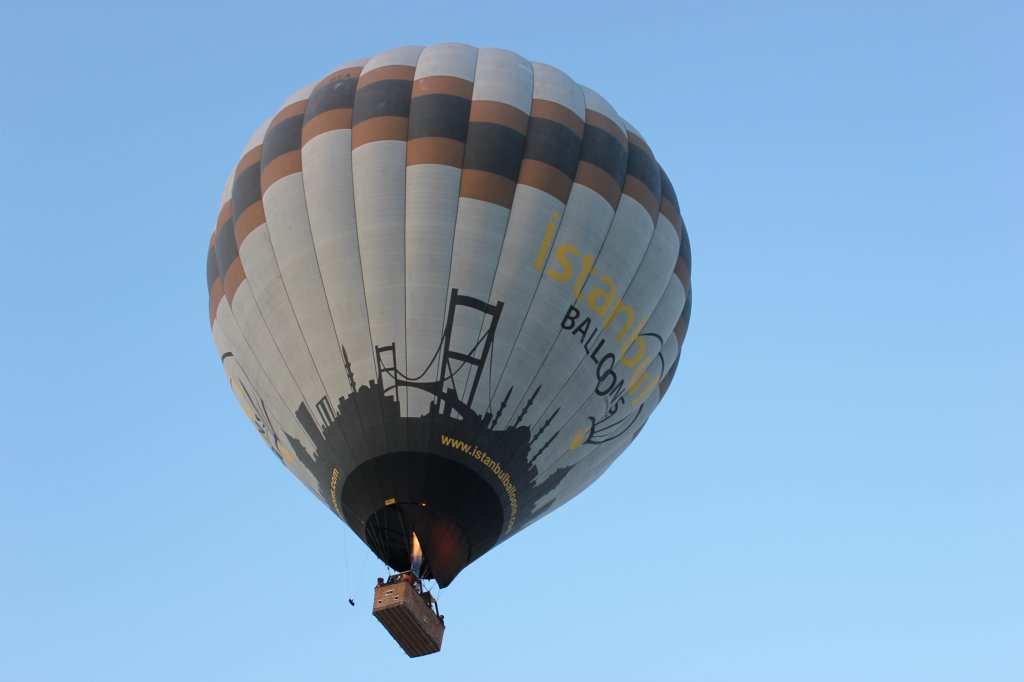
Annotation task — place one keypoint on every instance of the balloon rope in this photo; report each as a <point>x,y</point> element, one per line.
<point>405,535</point>
<point>362,571</point>
<point>344,545</point>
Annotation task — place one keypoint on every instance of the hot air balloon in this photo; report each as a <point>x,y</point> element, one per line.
<point>448,286</point>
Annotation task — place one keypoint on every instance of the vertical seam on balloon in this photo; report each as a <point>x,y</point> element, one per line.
<point>497,262</point>
<point>541,472</point>
<point>458,208</point>
<point>405,260</point>
<point>247,342</point>
<point>661,298</point>
<point>244,339</point>
<point>284,287</point>
<point>362,270</point>
<point>541,279</point>
<point>327,300</point>
<point>553,464</point>
<point>270,332</point>
<point>490,396</point>
<point>504,233</point>
<point>366,303</point>
<point>316,260</point>
<point>492,388</point>
<point>359,413</point>
<point>451,260</point>
<point>273,387</point>
<point>526,461</point>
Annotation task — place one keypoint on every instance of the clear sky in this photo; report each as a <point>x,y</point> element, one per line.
<point>831,491</point>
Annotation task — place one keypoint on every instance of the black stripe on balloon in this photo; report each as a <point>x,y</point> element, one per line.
<point>246,190</point>
<point>602,149</point>
<point>227,249</point>
<point>439,116</point>
<point>642,167</point>
<point>383,98</point>
<point>554,144</point>
<point>684,248</point>
<point>285,136</point>
<point>494,148</point>
<point>667,190</point>
<point>212,267</point>
<point>337,93</point>
<point>670,374</point>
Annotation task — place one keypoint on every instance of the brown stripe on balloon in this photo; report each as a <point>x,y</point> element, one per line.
<point>637,432</point>
<point>546,178</point>
<point>247,198</point>
<point>487,111</point>
<point>602,122</point>
<point>595,178</point>
<point>671,213</point>
<point>495,140</point>
<point>642,193</point>
<point>380,110</point>
<point>682,271</point>
<point>330,103</point>
<point>380,128</point>
<point>388,98</point>
<point>683,324</point>
<point>335,119</point>
<point>438,121</point>
<point>340,74</point>
<point>224,215</point>
<point>212,263</point>
<point>294,109</point>
<point>543,108</point>
<point>282,137</point>
<point>225,246</point>
<point>667,379</point>
<point>249,158</point>
<point>603,158</point>
<point>233,279</point>
<point>438,150</point>
<point>643,176</point>
<point>669,206</point>
<point>284,165</point>
<point>490,187</point>
<point>216,294</point>
<point>642,144</point>
<point>393,72</point>
<point>553,142</point>
<point>212,267</point>
<point>248,221</point>
<point>281,145</point>
<point>442,85</point>
<point>684,249</point>
<point>680,329</point>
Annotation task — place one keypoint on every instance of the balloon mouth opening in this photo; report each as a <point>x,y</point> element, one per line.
<point>455,513</point>
<point>443,552</point>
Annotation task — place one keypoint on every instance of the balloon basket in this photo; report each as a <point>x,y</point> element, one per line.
<point>408,617</point>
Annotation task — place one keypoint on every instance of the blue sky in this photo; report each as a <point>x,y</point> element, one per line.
<point>830,491</point>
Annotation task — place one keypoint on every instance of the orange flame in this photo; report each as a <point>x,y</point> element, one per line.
<point>417,555</point>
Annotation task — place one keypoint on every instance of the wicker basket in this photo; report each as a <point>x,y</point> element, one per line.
<point>405,614</point>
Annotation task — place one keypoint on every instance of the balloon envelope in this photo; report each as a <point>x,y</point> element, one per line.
<point>448,286</point>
